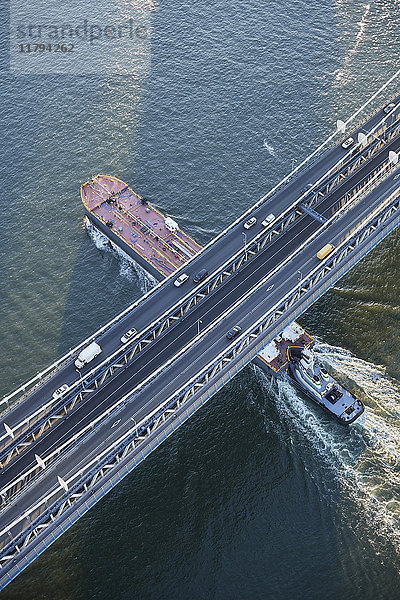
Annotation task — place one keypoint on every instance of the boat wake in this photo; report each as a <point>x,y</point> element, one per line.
<point>128,268</point>
<point>343,75</point>
<point>361,461</point>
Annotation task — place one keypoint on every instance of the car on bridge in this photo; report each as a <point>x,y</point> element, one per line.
<point>181,280</point>
<point>232,333</point>
<point>128,335</point>
<point>388,108</point>
<point>250,222</point>
<point>327,249</point>
<point>268,220</point>
<point>347,143</point>
<point>87,355</point>
<point>60,391</point>
<point>200,276</point>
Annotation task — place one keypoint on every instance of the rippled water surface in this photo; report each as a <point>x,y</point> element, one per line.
<point>260,495</point>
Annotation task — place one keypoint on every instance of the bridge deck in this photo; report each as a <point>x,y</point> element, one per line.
<point>161,371</point>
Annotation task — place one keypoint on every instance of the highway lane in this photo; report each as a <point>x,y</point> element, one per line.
<point>159,351</point>
<point>176,337</point>
<point>168,294</point>
<point>199,354</point>
<point>92,412</point>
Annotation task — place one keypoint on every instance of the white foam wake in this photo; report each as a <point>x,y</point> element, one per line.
<point>128,268</point>
<point>364,461</point>
<point>343,75</point>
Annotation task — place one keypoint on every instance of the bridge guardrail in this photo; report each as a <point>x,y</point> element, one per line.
<point>121,443</point>
<point>98,371</point>
<point>5,402</point>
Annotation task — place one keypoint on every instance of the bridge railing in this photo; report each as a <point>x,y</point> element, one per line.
<point>350,201</point>
<point>98,372</point>
<point>47,505</point>
<point>27,388</point>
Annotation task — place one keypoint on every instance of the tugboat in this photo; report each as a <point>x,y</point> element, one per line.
<point>310,377</point>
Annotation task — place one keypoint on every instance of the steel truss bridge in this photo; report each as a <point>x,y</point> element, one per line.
<point>59,456</point>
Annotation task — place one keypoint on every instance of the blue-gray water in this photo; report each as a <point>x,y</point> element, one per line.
<point>259,496</point>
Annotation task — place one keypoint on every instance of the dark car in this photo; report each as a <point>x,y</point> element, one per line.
<point>389,108</point>
<point>200,276</point>
<point>232,333</point>
<point>306,188</point>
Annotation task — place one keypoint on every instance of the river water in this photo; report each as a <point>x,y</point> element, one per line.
<point>259,495</point>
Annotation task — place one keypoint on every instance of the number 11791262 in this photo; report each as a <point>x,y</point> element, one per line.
<point>28,48</point>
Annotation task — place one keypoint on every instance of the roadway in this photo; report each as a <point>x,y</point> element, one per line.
<point>198,354</point>
<point>160,350</point>
<point>167,295</point>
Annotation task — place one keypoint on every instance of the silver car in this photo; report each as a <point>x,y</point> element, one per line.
<point>181,279</point>
<point>268,220</point>
<point>60,392</point>
<point>347,143</point>
<point>388,108</point>
<point>250,222</point>
<point>128,335</point>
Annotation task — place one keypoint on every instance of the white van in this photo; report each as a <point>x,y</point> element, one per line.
<point>268,220</point>
<point>87,355</point>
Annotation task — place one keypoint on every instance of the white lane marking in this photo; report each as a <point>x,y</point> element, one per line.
<point>262,266</point>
